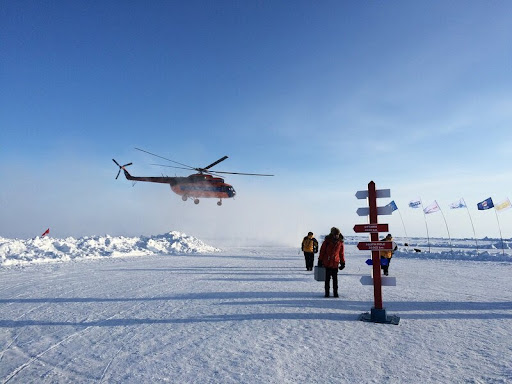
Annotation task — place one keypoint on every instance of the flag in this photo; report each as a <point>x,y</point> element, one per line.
<point>415,203</point>
<point>434,207</point>
<point>393,206</point>
<point>503,205</point>
<point>458,204</point>
<point>486,204</point>
<point>46,232</point>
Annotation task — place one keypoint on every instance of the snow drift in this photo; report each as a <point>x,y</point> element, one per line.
<point>48,249</point>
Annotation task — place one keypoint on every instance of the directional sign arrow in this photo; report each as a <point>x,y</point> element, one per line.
<point>389,281</point>
<point>385,210</point>
<point>374,245</point>
<point>383,261</point>
<point>379,192</point>
<point>358,228</point>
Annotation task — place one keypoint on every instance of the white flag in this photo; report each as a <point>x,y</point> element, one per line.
<point>458,204</point>
<point>434,207</point>
<point>503,205</point>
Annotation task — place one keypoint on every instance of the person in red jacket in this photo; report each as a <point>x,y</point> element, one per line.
<point>332,254</point>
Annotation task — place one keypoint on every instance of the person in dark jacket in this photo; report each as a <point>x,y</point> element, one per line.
<point>309,247</point>
<point>332,256</point>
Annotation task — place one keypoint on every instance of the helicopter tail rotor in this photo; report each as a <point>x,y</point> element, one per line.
<point>120,167</point>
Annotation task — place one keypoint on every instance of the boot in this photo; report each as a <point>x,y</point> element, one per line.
<point>336,294</point>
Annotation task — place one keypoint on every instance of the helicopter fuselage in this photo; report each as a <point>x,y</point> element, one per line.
<point>194,186</point>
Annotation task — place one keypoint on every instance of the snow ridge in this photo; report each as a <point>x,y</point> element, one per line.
<point>48,249</point>
<point>489,249</point>
<point>455,255</point>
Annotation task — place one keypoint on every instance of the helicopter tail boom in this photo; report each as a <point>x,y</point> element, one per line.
<point>162,180</point>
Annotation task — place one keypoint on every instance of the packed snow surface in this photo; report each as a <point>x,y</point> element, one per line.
<point>247,315</point>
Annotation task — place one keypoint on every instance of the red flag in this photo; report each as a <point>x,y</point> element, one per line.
<point>46,232</point>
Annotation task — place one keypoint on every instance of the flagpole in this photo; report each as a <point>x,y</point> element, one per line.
<point>445,223</point>
<point>426,226</point>
<point>472,226</point>
<point>499,227</point>
<point>406,237</point>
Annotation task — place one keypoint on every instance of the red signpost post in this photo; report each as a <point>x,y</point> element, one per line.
<point>378,313</point>
<point>377,285</point>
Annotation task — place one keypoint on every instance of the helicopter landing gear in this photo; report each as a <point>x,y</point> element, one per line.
<point>196,201</point>
<point>184,197</point>
<point>219,203</point>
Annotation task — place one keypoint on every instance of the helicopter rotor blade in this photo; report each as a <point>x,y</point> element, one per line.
<point>173,166</point>
<point>201,170</point>
<point>214,163</point>
<point>161,157</point>
<point>242,173</point>
<point>214,172</point>
<point>120,167</point>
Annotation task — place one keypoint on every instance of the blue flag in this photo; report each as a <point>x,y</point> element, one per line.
<point>486,204</point>
<point>393,205</point>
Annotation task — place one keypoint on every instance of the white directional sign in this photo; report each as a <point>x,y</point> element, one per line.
<point>379,193</point>
<point>389,281</point>
<point>385,210</point>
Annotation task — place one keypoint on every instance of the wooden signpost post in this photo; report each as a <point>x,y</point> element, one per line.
<point>378,312</point>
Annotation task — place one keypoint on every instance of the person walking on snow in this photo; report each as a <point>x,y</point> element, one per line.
<point>332,255</point>
<point>386,255</point>
<point>309,247</point>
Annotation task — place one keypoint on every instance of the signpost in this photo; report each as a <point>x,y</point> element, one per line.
<point>378,193</point>
<point>378,313</point>
<point>361,228</point>
<point>374,245</point>
<point>386,210</point>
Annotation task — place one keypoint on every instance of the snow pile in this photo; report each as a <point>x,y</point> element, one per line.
<point>48,249</point>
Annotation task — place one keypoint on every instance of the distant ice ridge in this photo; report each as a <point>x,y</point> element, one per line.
<point>454,255</point>
<point>489,249</point>
<point>48,249</point>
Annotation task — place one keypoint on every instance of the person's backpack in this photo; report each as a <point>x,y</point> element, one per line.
<point>306,243</point>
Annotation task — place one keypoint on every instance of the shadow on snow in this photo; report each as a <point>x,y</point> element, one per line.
<point>346,310</point>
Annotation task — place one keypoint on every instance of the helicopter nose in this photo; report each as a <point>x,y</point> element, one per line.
<point>231,192</point>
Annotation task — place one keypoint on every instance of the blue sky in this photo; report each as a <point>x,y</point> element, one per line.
<point>326,95</point>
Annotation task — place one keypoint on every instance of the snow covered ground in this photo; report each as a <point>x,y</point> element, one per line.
<point>180,311</point>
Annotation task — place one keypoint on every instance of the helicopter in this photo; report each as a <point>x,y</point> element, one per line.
<point>203,184</point>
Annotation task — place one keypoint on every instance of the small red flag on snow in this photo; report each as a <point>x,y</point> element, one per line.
<point>46,232</point>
